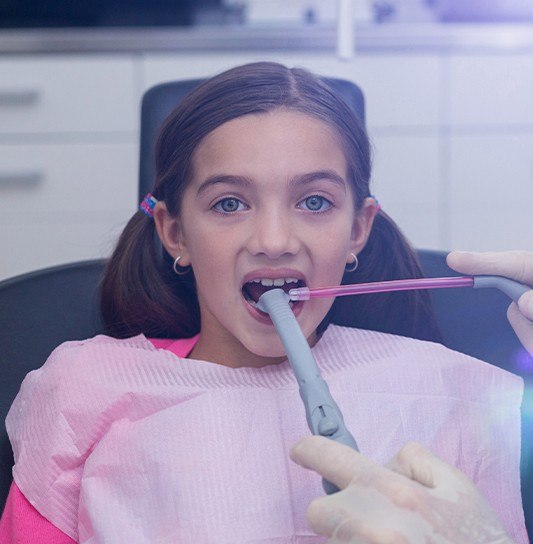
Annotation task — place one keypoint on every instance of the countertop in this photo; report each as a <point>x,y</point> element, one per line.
<point>387,37</point>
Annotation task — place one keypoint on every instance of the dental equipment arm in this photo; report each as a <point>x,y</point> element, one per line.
<point>516,265</point>
<point>323,415</point>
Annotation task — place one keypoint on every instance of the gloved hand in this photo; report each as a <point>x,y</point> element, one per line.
<point>517,265</point>
<point>415,498</point>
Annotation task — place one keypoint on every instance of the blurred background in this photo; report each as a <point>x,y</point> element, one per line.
<point>448,86</point>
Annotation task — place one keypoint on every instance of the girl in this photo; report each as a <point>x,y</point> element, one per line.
<point>262,180</point>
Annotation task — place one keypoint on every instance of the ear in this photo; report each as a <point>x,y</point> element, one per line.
<point>171,233</point>
<point>362,225</point>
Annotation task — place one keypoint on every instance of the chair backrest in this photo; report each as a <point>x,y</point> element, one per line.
<point>159,101</point>
<point>39,311</point>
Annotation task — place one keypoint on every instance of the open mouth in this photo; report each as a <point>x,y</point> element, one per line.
<point>253,289</point>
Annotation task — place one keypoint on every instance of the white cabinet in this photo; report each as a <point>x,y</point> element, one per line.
<point>491,90</point>
<point>70,94</point>
<point>407,181</point>
<point>492,192</point>
<point>452,137</point>
<point>68,157</point>
<point>73,209</point>
<point>491,151</point>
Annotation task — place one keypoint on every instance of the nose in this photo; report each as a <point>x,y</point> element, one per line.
<point>274,234</point>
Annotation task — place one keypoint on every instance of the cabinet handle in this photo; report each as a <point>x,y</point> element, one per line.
<point>21,97</point>
<point>19,179</point>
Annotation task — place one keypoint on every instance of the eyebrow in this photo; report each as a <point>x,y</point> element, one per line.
<point>243,181</point>
<point>239,181</point>
<point>327,175</point>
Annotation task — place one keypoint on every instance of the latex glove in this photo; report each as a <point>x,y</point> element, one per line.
<point>415,498</point>
<point>517,265</point>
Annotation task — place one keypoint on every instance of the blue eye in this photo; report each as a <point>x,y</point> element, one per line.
<point>316,203</point>
<point>229,205</point>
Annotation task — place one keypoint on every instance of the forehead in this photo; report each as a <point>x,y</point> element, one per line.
<point>280,142</point>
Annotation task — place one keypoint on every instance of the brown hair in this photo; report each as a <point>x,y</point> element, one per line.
<point>141,293</point>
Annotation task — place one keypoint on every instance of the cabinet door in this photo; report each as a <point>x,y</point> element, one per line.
<point>60,203</point>
<point>491,90</point>
<point>408,182</point>
<point>68,94</point>
<point>491,186</point>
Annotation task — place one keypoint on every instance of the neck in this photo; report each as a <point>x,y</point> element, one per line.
<point>233,356</point>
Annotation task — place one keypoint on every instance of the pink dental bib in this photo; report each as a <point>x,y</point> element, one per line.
<point>116,441</point>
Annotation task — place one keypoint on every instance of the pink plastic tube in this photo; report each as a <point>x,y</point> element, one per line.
<point>305,293</point>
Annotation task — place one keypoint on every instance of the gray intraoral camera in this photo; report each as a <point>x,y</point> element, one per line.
<point>323,415</point>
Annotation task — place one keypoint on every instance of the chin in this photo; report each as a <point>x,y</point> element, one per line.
<point>271,348</point>
<point>270,345</point>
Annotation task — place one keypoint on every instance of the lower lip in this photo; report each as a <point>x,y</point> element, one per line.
<point>264,318</point>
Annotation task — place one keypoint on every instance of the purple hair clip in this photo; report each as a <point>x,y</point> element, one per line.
<point>148,204</point>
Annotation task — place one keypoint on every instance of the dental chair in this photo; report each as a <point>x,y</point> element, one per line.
<point>39,311</point>
<point>42,309</point>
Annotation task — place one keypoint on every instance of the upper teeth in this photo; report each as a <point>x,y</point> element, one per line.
<point>278,282</point>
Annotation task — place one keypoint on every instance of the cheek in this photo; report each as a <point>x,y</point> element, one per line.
<point>332,258</point>
<point>213,259</point>
<point>331,272</point>
<point>203,245</point>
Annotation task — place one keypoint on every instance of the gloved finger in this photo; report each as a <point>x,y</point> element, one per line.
<point>522,326</point>
<point>356,531</point>
<point>420,465</point>
<point>351,472</point>
<point>414,462</point>
<point>370,511</point>
<point>336,462</point>
<point>517,265</point>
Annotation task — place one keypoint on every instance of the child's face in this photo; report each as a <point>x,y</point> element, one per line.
<point>269,199</point>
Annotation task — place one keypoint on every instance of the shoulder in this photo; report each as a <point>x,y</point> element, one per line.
<point>101,346</point>
<point>72,381</point>
<point>79,360</point>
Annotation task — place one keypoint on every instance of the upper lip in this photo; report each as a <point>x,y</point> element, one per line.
<point>269,273</point>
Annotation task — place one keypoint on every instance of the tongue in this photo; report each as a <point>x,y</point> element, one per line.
<point>255,290</point>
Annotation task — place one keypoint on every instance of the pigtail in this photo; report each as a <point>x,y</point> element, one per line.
<point>140,292</point>
<point>387,256</point>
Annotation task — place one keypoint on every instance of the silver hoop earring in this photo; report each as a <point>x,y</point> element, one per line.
<point>354,264</point>
<point>184,269</point>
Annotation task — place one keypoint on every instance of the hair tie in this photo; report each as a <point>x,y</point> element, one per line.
<point>148,204</point>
